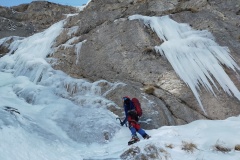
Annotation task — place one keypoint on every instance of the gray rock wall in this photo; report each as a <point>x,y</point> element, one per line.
<point>116,49</point>
<point>121,50</point>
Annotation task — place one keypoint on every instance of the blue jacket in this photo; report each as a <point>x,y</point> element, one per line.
<point>126,109</point>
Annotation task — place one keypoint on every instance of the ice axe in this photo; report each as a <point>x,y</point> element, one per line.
<point>121,121</point>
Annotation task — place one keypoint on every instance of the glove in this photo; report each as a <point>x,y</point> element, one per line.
<point>121,123</point>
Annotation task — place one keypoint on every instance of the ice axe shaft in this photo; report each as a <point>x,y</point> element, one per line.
<point>121,121</point>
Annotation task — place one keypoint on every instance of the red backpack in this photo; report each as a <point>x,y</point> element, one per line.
<point>137,106</point>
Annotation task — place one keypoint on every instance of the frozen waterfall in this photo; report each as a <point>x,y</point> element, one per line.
<point>193,54</point>
<point>48,108</point>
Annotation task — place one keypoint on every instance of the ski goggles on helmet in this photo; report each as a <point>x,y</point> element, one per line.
<point>125,98</point>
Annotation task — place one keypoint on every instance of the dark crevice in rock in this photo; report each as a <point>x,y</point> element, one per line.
<point>90,28</point>
<point>189,106</point>
<point>150,50</point>
<point>165,96</point>
<point>238,12</point>
<point>169,109</point>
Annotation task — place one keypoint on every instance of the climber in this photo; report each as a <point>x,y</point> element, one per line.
<point>132,115</point>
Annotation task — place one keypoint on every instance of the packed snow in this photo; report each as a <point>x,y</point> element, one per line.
<point>81,8</point>
<point>193,54</point>
<point>48,115</point>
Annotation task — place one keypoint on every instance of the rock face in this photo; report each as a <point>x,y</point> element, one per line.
<point>27,19</point>
<point>101,43</point>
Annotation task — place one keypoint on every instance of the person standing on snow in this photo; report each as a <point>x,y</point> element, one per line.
<point>132,118</point>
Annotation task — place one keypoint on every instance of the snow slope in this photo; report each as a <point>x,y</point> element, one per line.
<point>47,115</point>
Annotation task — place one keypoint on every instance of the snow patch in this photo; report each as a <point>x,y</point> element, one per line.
<point>81,8</point>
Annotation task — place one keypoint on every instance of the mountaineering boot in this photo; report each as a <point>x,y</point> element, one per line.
<point>133,140</point>
<point>146,136</point>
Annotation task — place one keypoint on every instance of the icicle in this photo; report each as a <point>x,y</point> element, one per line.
<point>193,54</point>
<point>78,47</point>
<point>72,30</point>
